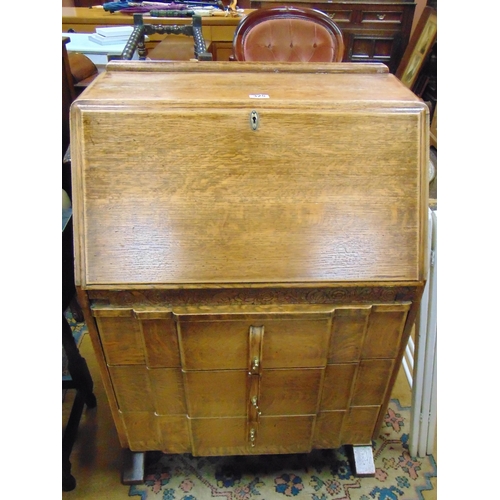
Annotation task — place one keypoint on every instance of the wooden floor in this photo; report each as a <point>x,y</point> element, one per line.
<point>97,457</point>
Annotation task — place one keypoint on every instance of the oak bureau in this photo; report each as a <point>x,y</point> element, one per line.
<point>250,245</point>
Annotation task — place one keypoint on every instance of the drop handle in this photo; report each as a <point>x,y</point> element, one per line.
<point>254,403</point>
<point>252,437</point>
<point>381,17</point>
<point>255,364</point>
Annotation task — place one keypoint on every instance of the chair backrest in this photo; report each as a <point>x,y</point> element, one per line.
<point>137,38</point>
<point>288,34</point>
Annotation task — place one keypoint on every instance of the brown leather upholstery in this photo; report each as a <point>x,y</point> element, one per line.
<point>288,34</point>
<point>81,67</point>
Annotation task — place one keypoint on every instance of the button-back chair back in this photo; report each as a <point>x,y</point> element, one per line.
<point>289,34</point>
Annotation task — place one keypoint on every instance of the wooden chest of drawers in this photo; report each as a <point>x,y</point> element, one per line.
<point>376,31</point>
<point>250,249</point>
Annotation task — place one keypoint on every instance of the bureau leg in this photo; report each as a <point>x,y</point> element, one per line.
<point>133,467</point>
<point>362,461</point>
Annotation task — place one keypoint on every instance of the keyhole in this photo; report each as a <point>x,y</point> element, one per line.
<point>254,120</point>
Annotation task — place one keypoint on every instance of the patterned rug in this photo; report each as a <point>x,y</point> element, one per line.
<point>320,475</point>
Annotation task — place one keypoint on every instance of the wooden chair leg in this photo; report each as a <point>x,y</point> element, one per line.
<point>80,380</point>
<point>76,310</point>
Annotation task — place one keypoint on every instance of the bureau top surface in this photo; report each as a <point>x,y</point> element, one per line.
<point>226,83</point>
<point>242,174</point>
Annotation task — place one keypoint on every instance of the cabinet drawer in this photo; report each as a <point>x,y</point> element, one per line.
<point>230,436</point>
<point>131,337</point>
<point>289,392</point>
<point>222,343</point>
<point>216,394</point>
<point>120,336</point>
<point>382,18</point>
<point>140,389</point>
<point>148,431</point>
<point>338,16</point>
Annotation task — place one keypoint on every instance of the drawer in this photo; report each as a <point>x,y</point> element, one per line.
<point>381,18</point>
<point>354,426</point>
<point>130,337</point>
<point>216,394</point>
<point>222,342</point>
<point>341,17</point>
<point>147,432</point>
<point>368,331</point>
<point>289,392</point>
<point>230,436</point>
<point>139,389</point>
<point>225,393</point>
<point>120,336</point>
<point>358,424</point>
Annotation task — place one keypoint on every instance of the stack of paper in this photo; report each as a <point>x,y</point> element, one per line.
<point>111,35</point>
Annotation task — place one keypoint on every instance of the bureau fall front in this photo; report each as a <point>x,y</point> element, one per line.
<point>250,245</point>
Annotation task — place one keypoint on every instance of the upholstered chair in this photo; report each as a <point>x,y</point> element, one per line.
<point>289,34</point>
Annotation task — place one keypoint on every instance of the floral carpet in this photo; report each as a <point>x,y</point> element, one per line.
<point>320,475</point>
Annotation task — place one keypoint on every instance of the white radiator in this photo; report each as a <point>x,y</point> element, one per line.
<point>419,361</point>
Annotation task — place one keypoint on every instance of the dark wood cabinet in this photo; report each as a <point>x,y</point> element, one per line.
<point>373,31</point>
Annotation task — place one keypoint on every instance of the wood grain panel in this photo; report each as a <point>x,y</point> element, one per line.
<point>371,382</point>
<point>337,386</point>
<point>174,434</point>
<point>359,424</point>
<point>211,345</point>
<point>296,343</point>
<point>384,331</point>
<point>216,394</point>
<point>143,432</point>
<point>290,392</point>
<point>167,391</point>
<point>121,338</point>
<point>327,429</point>
<point>161,343</point>
<point>132,388</point>
<point>348,331</point>
<point>284,434</point>
<point>219,436</point>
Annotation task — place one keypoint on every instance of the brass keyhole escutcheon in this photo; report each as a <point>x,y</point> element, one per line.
<point>254,120</point>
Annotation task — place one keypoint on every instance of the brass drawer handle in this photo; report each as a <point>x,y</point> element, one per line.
<point>256,334</point>
<point>255,364</point>
<point>254,403</point>
<point>332,14</point>
<point>252,437</point>
<point>381,17</point>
